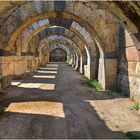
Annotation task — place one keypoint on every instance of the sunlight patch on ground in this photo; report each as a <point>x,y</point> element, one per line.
<point>52,65</point>
<point>43,68</point>
<point>43,86</point>
<point>38,107</point>
<point>113,113</point>
<point>30,85</point>
<point>46,76</point>
<point>54,72</point>
<point>47,86</point>
<point>16,82</point>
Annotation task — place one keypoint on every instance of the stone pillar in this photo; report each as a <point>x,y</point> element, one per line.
<point>94,64</point>
<point>31,63</point>
<point>129,65</point>
<point>91,69</point>
<point>101,72</point>
<point>84,62</point>
<point>86,71</point>
<point>81,65</point>
<point>71,59</point>
<point>70,62</point>
<point>37,63</point>
<point>74,60</point>
<point>68,59</point>
<point>43,60</point>
<point>111,76</point>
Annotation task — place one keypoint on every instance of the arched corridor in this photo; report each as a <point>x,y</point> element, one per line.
<point>58,55</point>
<point>52,52</point>
<point>55,102</point>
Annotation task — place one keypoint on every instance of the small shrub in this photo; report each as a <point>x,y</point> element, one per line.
<point>95,84</point>
<point>132,136</point>
<point>2,110</point>
<point>136,106</point>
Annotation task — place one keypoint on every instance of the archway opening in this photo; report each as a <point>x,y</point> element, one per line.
<point>58,55</point>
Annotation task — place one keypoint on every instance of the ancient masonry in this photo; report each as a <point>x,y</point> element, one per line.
<point>99,39</point>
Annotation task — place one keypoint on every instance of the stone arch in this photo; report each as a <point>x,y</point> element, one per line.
<point>75,53</point>
<point>75,39</point>
<point>81,33</point>
<point>76,50</point>
<point>58,55</point>
<point>71,11</point>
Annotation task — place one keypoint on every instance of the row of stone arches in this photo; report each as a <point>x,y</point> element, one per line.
<point>88,31</point>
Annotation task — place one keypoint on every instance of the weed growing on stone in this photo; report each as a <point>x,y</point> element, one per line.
<point>95,84</point>
<point>136,106</point>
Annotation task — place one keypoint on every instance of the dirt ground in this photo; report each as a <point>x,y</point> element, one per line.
<point>55,102</point>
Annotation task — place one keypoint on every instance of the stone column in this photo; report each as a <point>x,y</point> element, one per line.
<point>79,63</point>
<point>101,72</point>
<point>111,76</point>
<point>74,60</point>
<point>30,63</point>
<point>84,62</point>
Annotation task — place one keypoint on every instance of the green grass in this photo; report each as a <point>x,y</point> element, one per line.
<point>132,136</point>
<point>136,106</point>
<point>95,84</point>
<point>2,110</point>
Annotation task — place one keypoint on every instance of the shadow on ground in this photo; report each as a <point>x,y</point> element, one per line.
<point>64,112</point>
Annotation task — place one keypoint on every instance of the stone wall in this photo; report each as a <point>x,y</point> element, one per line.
<point>6,70</point>
<point>19,65</point>
<point>31,63</point>
<point>10,67</point>
<point>129,67</point>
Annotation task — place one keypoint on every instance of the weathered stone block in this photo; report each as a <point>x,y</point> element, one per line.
<point>101,72</point>
<point>20,65</point>
<point>133,68</point>
<point>132,54</point>
<point>111,66</point>
<point>6,81</point>
<point>128,39</point>
<point>6,65</point>
<point>87,71</point>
